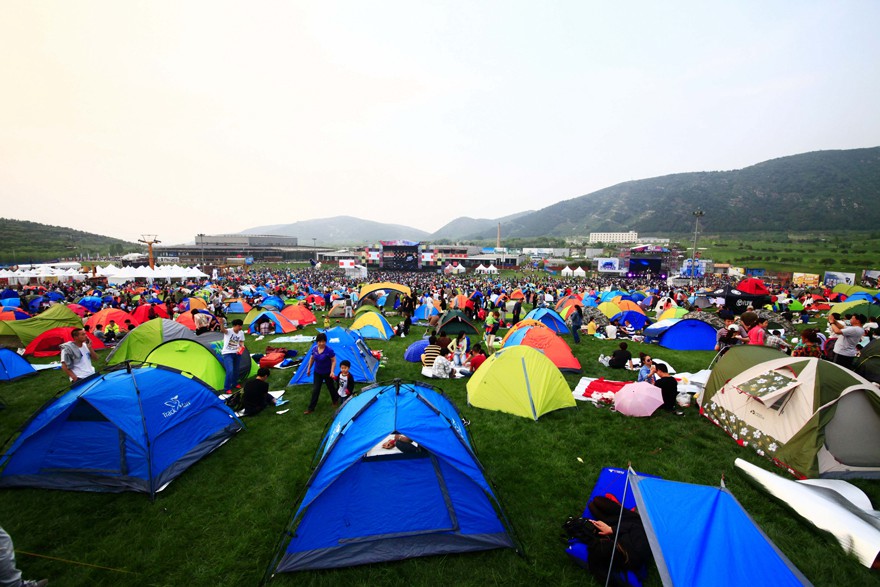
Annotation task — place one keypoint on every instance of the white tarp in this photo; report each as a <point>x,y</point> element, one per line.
<point>829,504</point>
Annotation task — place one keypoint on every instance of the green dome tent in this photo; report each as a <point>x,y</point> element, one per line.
<point>815,418</point>
<point>521,381</point>
<point>190,357</point>
<point>137,344</point>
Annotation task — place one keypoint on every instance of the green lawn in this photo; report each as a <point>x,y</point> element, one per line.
<point>220,522</point>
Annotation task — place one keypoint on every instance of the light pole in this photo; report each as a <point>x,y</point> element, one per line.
<point>697,214</point>
<point>202,242</point>
<point>315,247</point>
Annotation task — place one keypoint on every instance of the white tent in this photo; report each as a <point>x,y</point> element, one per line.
<point>491,269</point>
<point>481,269</point>
<point>356,272</point>
<point>579,272</point>
<point>567,272</point>
<point>454,269</point>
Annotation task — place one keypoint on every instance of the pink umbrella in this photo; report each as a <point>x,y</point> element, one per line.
<point>638,399</point>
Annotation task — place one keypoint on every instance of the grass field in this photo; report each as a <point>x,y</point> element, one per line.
<point>220,522</point>
<point>806,253</point>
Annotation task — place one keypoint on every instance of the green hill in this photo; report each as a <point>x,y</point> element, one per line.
<point>824,190</point>
<point>340,230</point>
<point>22,241</point>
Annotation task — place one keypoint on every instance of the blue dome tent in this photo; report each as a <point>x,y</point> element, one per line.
<point>131,429</point>
<point>441,504</point>
<point>689,334</point>
<point>347,345</point>
<point>413,352</point>
<point>549,318</point>
<point>13,366</point>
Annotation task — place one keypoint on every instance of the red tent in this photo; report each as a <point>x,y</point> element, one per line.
<point>78,310</point>
<point>753,286</point>
<point>48,344</point>
<point>105,316</point>
<point>142,313</point>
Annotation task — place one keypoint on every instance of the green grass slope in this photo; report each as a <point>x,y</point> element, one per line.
<point>22,241</point>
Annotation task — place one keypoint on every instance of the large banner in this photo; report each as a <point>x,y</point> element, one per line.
<point>870,278</point>
<point>833,278</point>
<point>690,269</point>
<point>608,264</point>
<point>805,279</point>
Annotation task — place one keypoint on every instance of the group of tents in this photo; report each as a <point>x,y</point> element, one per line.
<point>155,412</point>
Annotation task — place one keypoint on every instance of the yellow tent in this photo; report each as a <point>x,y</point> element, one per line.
<point>521,381</point>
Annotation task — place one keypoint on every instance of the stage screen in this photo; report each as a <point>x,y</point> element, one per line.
<point>642,266</point>
<point>401,255</point>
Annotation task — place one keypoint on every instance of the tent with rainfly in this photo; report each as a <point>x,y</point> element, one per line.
<point>130,429</point>
<point>13,366</point>
<point>813,417</point>
<point>440,503</point>
<point>347,345</point>
<point>521,381</point>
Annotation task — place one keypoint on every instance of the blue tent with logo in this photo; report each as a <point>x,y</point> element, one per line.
<point>130,429</point>
<point>440,502</point>
<point>710,541</point>
<point>688,334</point>
<point>272,302</point>
<point>13,365</point>
<point>346,344</point>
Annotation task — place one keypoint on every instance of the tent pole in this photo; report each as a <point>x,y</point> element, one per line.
<point>617,530</point>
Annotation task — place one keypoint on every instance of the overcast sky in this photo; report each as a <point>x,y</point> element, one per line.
<point>175,118</point>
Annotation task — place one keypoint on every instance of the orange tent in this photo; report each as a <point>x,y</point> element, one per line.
<point>300,313</point>
<point>551,344</point>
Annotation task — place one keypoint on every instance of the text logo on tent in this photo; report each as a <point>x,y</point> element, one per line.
<point>176,405</point>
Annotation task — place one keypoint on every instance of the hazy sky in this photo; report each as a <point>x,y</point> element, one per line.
<point>177,117</point>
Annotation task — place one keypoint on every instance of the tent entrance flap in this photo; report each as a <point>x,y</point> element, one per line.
<point>396,509</point>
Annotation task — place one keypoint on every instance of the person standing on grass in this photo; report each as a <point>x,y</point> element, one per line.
<point>345,383</point>
<point>848,338</point>
<point>757,332</point>
<point>233,347</point>
<point>77,356</point>
<point>323,360</point>
<point>577,320</point>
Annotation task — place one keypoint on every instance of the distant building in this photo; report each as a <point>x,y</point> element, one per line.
<point>614,237</point>
<point>233,249</point>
